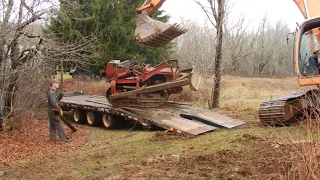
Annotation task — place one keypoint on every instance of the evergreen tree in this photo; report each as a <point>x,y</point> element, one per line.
<point>110,25</point>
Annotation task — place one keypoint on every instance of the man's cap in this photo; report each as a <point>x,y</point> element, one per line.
<point>55,81</point>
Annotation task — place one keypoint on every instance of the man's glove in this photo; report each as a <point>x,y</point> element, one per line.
<point>60,112</point>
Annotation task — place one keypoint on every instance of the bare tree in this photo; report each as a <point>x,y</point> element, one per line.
<point>195,47</point>
<point>215,12</point>
<point>16,18</point>
<point>272,55</point>
<point>238,45</point>
<point>262,55</point>
<point>27,55</point>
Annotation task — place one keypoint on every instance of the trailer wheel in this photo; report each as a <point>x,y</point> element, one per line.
<point>107,121</point>
<point>93,118</point>
<point>79,116</point>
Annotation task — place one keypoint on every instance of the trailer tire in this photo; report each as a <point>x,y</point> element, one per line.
<point>108,121</point>
<point>79,116</point>
<point>93,118</point>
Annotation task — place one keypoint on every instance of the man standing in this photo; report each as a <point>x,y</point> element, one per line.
<point>54,111</point>
<point>1,119</point>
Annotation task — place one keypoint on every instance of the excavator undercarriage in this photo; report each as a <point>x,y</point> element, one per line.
<point>289,108</point>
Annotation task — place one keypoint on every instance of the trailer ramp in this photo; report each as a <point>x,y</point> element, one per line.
<point>186,118</point>
<point>176,117</point>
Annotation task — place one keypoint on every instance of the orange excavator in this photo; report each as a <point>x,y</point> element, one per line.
<point>292,106</point>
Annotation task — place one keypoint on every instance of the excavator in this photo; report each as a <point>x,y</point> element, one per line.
<point>294,106</point>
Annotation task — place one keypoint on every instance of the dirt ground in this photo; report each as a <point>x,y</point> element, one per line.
<point>30,138</point>
<point>223,164</point>
<point>244,156</point>
<point>251,151</point>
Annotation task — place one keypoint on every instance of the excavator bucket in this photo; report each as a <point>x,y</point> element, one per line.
<point>155,33</point>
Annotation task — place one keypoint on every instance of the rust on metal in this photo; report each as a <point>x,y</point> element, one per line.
<point>147,86</point>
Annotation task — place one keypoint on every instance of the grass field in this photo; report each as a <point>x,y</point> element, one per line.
<point>249,152</point>
<point>65,76</point>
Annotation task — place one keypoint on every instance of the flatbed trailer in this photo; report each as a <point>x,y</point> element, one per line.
<point>180,118</point>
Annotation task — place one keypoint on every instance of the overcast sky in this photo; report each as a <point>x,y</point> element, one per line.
<point>253,10</point>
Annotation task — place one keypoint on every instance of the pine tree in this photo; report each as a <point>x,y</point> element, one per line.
<point>110,25</point>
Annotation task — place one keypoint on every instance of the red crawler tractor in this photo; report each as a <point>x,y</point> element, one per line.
<point>136,84</point>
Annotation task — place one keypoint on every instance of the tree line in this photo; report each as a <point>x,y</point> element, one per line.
<point>264,51</point>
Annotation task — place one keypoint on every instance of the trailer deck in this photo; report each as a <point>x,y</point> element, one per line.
<point>175,117</point>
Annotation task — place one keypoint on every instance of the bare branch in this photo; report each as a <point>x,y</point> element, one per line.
<point>30,53</point>
<point>213,10</point>
<point>206,12</point>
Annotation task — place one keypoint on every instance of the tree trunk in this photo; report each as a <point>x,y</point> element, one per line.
<point>61,73</point>
<point>10,94</point>
<point>214,102</point>
<point>217,73</point>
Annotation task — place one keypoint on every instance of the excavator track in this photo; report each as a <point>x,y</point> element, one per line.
<point>287,108</point>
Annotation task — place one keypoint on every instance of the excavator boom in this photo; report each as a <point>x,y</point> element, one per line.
<point>308,8</point>
<point>150,7</point>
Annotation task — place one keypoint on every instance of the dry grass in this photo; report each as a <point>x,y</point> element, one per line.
<point>235,91</point>
<point>89,87</point>
<point>241,92</point>
<point>304,144</point>
<point>240,98</point>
